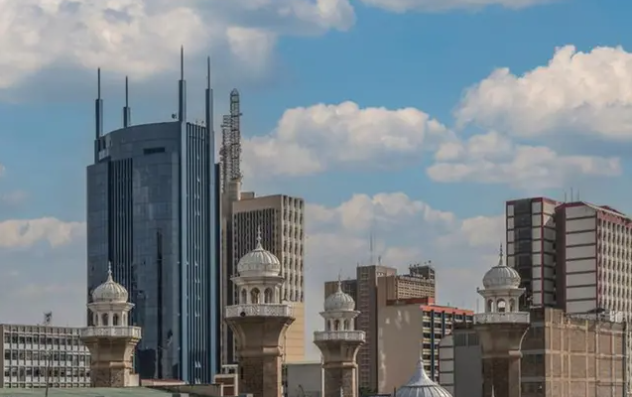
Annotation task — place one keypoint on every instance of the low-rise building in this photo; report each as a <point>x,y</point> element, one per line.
<point>408,327</point>
<point>562,356</point>
<point>37,354</point>
<point>303,379</point>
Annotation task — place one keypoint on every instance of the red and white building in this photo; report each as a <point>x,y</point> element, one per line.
<point>576,256</point>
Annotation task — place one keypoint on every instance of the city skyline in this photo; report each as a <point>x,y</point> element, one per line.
<point>395,160</point>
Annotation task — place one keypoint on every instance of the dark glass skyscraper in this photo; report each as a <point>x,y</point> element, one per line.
<point>153,213</point>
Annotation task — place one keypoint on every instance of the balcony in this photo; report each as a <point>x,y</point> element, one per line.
<point>502,318</point>
<point>261,310</point>
<point>112,332</point>
<point>339,335</point>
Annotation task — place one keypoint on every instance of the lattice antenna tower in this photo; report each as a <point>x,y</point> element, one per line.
<point>235,136</point>
<point>224,152</point>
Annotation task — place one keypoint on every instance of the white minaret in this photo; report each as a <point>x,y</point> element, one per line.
<point>259,322</point>
<point>501,329</point>
<point>111,340</point>
<point>339,344</point>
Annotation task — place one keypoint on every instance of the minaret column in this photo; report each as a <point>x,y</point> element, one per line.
<point>501,355</point>
<point>339,344</point>
<point>501,329</point>
<point>340,366</point>
<point>259,322</point>
<point>259,347</point>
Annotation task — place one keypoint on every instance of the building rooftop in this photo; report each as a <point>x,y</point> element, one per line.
<point>85,392</point>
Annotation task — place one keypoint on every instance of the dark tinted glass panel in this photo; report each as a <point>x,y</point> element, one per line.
<point>523,233</point>
<point>524,261</point>
<point>522,207</point>
<point>522,221</point>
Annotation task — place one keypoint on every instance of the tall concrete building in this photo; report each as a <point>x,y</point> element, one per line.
<point>111,340</point>
<point>339,344</point>
<point>373,287</point>
<point>259,320</point>
<point>152,213</point>
<point>281,219</point>
<point>501,329</point>
<point>574,255</point>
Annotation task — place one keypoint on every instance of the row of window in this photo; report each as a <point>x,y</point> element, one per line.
<point>54,356</point>
<point>42,340</point>
<point>32,385</point>
<point>22,372</point>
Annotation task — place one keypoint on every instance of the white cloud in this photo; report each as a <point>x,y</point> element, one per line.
<point>585,92</point>
<point>43,263</point>
<point>312,139</point>
<point>401,6</point>
<point>142,37</point>
<point>493,158</point>
<point>407,231</point>
<point>24,233</point>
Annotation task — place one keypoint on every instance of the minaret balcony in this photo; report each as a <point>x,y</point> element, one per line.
<point>260,310</point>
<point>112,332</point>
<point>502,318</point>
<point>339,336</point>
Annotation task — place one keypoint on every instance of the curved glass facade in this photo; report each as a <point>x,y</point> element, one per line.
<point>152,213</point>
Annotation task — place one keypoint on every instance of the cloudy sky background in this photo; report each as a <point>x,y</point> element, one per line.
<point>416,119</point>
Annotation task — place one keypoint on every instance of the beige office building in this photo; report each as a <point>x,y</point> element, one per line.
<point>373,287</point>
<point>280,221</point>
<point>407,327</point>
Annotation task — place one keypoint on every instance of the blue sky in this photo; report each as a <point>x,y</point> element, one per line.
<point>430,180</point>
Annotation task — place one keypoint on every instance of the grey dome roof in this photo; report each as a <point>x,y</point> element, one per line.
<point>339,301</point>
<point>420,385</point>
<point>110,291</point>
<point>501,276</point>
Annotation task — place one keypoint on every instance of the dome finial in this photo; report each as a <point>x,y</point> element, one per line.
<point>500,255</point>
<point>340,280</point>
<point>110,271</point>
<point>259,246</point>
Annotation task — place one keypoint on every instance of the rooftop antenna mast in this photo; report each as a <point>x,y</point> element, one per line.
<point>98,117</point>
<point>235,136</point>
<point>127,111</point>
<point>182,90</point>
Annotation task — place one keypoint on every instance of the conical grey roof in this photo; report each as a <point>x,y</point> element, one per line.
<point>420,385</point>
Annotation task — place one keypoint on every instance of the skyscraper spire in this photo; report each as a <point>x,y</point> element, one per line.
<point>98,108</point>
<point>127,111</point>
<point>182,91</point>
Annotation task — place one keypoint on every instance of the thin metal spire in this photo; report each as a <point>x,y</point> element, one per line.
<point>259,237</point>
<point>182,90</point>
<point>208,73</point>
<point>98,117</point>
<point>127,111</point>
<point>500,255</point>
<point>181,62</point>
